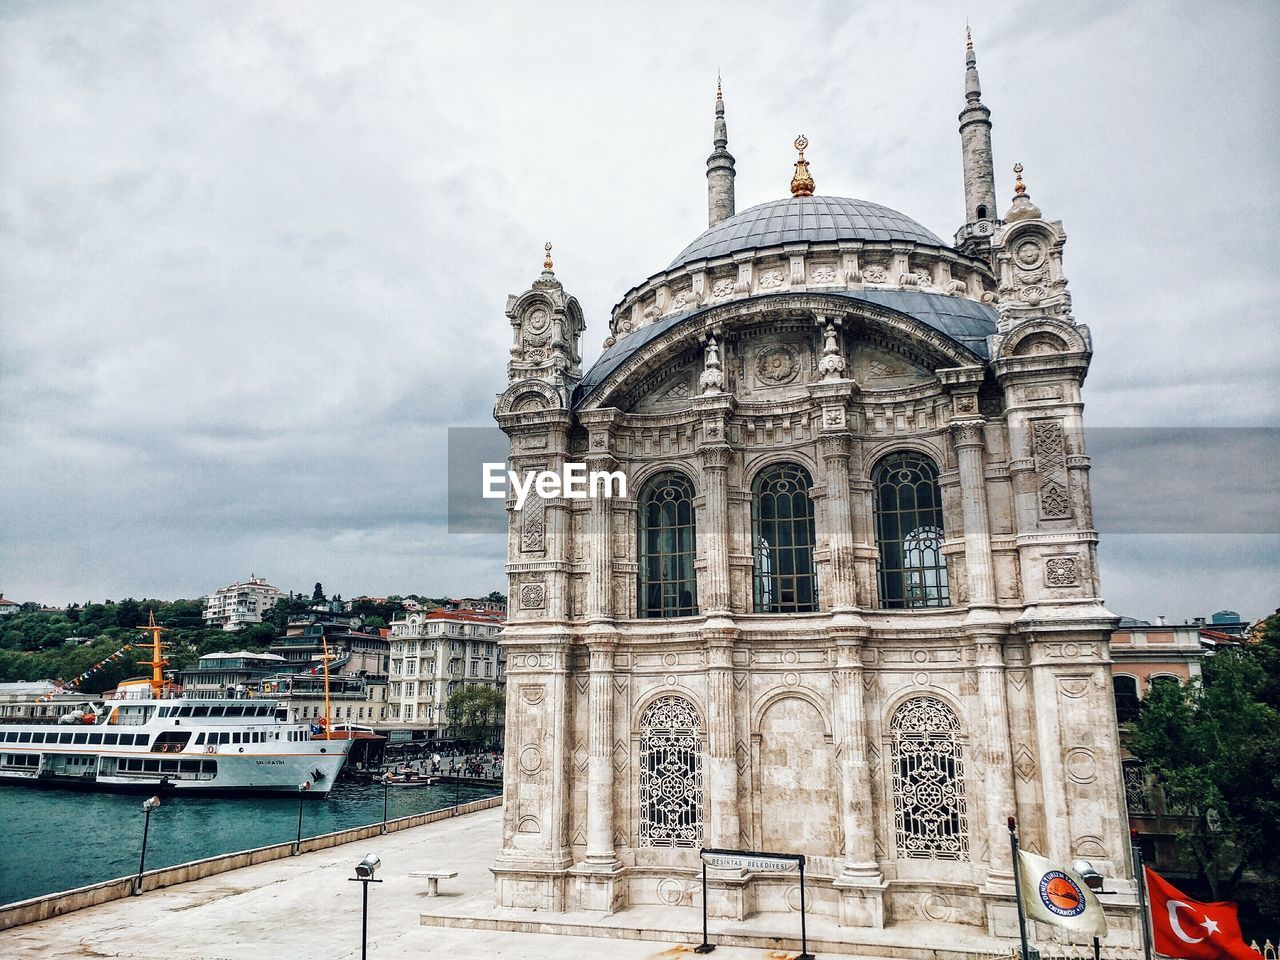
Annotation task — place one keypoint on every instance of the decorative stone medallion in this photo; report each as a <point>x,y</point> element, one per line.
<point>533,596</point>
<point>777,365</point>
<point>1061,572</point>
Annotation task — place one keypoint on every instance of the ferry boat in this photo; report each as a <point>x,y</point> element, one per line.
<point>147,738</point>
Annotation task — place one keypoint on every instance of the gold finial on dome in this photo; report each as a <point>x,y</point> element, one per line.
<point>802,183</point>
<point>1018,186</point>
<point>546,263</point>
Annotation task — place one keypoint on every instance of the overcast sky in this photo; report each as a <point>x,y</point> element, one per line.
<point>254,256</point>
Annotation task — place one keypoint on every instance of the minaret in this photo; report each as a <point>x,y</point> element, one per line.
<point>720,169</point>
<point>979,175</point>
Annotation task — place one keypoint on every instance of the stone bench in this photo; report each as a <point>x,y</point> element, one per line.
<point>433,878</point>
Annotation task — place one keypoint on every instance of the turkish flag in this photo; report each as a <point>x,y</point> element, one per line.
<point>1191,930</point>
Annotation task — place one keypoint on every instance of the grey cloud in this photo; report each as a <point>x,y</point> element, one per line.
<point>253,259</point>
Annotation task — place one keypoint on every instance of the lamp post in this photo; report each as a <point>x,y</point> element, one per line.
<point>1093,880</point>
<point>365,870</point>
<point>147,806</point>
<point>303,787</point>
<point>386,785</point>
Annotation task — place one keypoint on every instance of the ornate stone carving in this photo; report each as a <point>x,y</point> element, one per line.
<point>777,364</point>
<point>1061,572</point>
<point>712,379</point>
<point>723,288</point>
<point>683,300</point>
<point>1049,453</point>
<point>771,280</point>
<point>823,273</point>
<point>874,273</point>
<point>831,366</point>
<point>533,596</point>
<point>533,525</point>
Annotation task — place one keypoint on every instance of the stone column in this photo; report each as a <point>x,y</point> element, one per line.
<point>859,882</point>
<point>996,753</point>
<point>842,583</point>
<point>967,435</point>
<point>600,756</point>
<point>713,529</point>
<point>599,554</point>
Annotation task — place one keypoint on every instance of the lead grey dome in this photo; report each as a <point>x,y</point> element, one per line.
<point>799,219</point>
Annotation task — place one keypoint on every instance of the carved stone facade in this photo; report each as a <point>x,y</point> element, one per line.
<point>949,670</point>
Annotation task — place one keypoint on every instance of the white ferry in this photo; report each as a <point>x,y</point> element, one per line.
<point>146,740</point>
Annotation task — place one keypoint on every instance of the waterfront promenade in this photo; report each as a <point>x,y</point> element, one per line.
<point>304,908</point>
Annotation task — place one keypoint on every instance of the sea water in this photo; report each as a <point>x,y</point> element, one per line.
<point>56,839</point>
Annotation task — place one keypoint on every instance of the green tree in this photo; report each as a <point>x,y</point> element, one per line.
<point>1213,747</point>
<point>475,712</point>
<point>317,595</point>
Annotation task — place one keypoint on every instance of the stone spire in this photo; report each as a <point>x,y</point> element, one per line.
<point>979,172</point>
<point>720,172</point>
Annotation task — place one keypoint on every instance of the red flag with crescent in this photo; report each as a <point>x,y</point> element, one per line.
<point>1191,930</point>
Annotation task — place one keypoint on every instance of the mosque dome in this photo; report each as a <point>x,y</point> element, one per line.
<point>804,219</point>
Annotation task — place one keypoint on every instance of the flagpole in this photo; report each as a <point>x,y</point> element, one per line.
<point>1017,888</point>
<point>1144,905</point>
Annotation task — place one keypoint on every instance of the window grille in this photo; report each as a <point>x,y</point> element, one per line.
<point>928,781</point>
<point>909,530</point>
<point>668,546</point>
<point>1136,797</point>
<point>782,528</point>
<point>670,774</point>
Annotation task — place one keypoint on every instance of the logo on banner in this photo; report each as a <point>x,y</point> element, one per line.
<point>1061,895</point>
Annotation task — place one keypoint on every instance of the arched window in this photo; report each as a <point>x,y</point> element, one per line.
<point>908,509</point>
<point>670,774</point>
<point>1127,703</point>
<point>928,781</point>
<point>668,544</point>
<point>782,530</point>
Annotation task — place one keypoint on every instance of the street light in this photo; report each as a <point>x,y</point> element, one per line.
<point>147,806</point>
<point>386,785</point>
<point>365,870</point>
<point>303,787</point>
<point>1093,880</point>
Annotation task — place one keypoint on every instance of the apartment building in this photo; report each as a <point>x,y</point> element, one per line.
<point>433,654</point>
<point>239,605</point>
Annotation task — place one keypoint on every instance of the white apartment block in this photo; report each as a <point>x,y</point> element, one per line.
<point>433,654</point>
<point>239,605</point>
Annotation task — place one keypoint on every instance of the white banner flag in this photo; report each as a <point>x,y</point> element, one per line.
<point>1056,895</point>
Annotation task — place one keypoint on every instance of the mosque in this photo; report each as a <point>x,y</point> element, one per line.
<point>849,606</point>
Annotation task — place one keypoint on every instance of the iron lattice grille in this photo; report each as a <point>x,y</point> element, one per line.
<point>909,530</point>
<point>782,521</point>
<point>928,781</point>
<point>668,547</point>
<point>670,774</point>
<point>1136,797</point>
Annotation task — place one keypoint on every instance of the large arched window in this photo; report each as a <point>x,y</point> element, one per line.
<point>782,530</point>
<point>670,774</point>
<point>908,509</point>
<point>668,545</point>
<point>1127,702</point>
<point>928,781</point>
